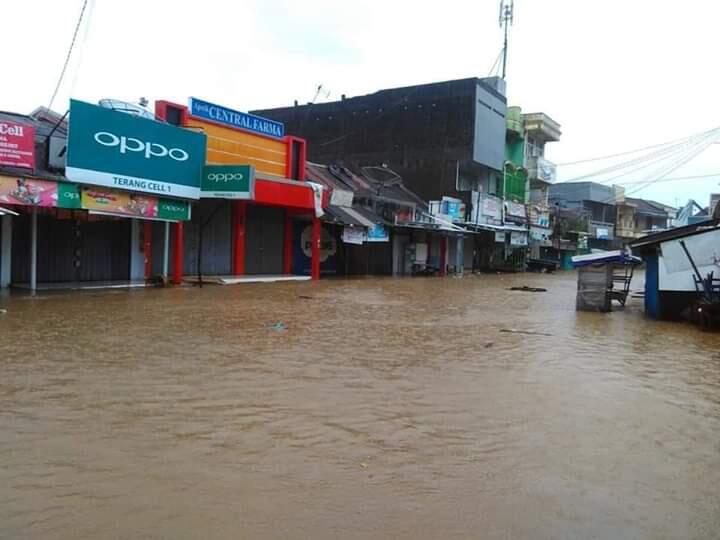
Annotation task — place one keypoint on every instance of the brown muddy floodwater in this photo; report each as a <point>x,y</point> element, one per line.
<point>386,409</point>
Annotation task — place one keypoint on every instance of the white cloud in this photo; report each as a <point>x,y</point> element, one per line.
<point>615,74</point>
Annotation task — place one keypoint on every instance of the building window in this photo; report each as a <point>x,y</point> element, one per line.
<point>534,148</point>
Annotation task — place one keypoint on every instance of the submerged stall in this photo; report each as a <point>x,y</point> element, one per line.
<point>603,277</point>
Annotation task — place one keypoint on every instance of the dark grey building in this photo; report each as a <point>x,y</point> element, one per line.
<point>594,206</point>
<point>445,138</point>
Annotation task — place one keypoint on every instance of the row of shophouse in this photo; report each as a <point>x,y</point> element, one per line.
<point>431,179</point>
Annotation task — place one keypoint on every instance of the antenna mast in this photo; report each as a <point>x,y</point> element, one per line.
<point>506,19</point>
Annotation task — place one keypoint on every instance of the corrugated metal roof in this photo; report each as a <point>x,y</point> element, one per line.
<point>673,234</point>
<point>643,206</point>
<point>335,176</point>
<point>340,215</point>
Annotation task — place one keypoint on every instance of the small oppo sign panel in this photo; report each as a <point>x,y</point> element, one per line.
<point>228,182</point>
<point>17,145</point>
<point>115,149</point>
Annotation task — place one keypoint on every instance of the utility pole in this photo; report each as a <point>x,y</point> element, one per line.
<point>506,20</point>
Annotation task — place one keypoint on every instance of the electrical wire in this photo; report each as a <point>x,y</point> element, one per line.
<point>81,46</point>
<point>689,155</point>
<point>675,179</point>
<point>69,54</point>
<point>625,153</point>
<point>677,152</point>
<point>663,152</point>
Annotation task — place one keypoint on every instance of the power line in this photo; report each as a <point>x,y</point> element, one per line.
<point>652,157</point>
<point>69,53</point>
<point>676,152</point>
<point>627,152</point>
<point>83,40</point>
<point>692,152</point>
<point>673,179</point>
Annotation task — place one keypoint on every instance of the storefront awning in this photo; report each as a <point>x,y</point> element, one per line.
<point>356,216</point>
<point>499,228</point>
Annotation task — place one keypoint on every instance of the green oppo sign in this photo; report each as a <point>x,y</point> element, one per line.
<point>228,182</point>
<point>118,150</point>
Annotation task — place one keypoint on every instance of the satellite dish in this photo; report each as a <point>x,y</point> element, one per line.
<point>126,107</point>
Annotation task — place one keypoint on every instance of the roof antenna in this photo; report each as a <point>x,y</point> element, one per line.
<point>320,90</point>
<point>507,9</point>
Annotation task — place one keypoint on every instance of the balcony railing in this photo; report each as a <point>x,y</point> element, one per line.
<point>541,169</point>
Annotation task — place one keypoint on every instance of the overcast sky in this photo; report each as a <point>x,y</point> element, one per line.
<point>617,74</point>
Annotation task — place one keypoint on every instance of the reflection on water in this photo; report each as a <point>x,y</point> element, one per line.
<point>385,408</point>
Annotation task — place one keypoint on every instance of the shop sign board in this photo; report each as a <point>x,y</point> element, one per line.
<point>236,119</point>
<point>491,207</point>
<point>228,182</point>
<point>41,193</point>
<point>17,145</point>
<point>328,244</point>
<point>516,209</point>
<point>133,205</point>
<point>354,235</point>
<point>500,237</point>
<point>118,150</point>
<point>378,233</point>
<point>518,238</point>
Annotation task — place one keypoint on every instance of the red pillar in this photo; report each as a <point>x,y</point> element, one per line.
<point>315,266</point>
<point>239,214</point>
<point>177,272</point>
<point>443,256</point>
<point>288,243</point>
<point>147,248</point>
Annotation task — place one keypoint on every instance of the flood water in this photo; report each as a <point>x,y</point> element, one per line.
<point>371,408</point>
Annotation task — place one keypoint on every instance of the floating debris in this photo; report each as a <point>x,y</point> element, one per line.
<point>278,326</point>
<point>305,297</point>
<point>489,344</point>
<point>525,288</point>
<point>3,311</point>
<point>526,332</point>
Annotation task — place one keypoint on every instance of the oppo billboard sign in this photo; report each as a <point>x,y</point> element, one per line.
<point>228,182</point>
<point>149,149</point>
<point>115,149</point>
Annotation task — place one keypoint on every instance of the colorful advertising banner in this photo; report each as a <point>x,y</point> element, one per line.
<point>236,119</point>
<point>115,149</point>
<point>17,145</point>
<point>228,182</point>
<point>378,233</point>
<point>42,193</point>
<point>125,204</point>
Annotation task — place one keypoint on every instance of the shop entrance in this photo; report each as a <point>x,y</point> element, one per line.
<point>72,250</point>
<point>264,240</point>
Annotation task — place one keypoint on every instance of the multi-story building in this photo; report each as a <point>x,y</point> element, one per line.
<point>639,217</point>
<point>446,140</point>
<point>528,174</point>
<point>443,139</point>
<point>586,210</point>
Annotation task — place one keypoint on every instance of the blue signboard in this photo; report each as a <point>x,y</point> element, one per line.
<point>378,234</point>
<point>236,119</point>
